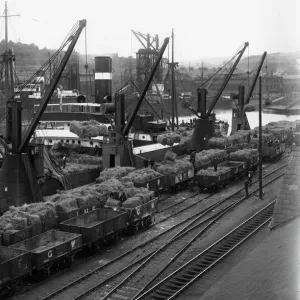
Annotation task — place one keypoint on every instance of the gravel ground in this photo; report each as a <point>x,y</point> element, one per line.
<point>206,287</point>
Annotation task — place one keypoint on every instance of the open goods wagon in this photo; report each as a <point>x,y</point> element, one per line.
<point>273,152</point>
<point>212,179</point>
<point>12,237</point>
<point>51,247</point>
<point>173,181</point>
<point>142,215</point>
<point>297,138</point>
<point>96,226</point>
<point>156,184</point>
<point>14,265</point>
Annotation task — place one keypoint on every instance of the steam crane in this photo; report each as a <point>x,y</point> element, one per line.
<point>117,149</point>
<point>239,118</point>
<point>204,128</point>
<point>23,164</point>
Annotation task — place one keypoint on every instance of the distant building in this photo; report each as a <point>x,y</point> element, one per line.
<point>291,83</point>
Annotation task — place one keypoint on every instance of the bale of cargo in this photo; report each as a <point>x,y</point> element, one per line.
<point>66,205</point>
<point>57,146</point>
<point>212,172</point>
<point>141,176</point>
<point>162,140</point>
<point>113,202</point>
<point>87,200</point>
<point>132,202</point>
<point>242,155</point>
<point>88,129</point>
<point>117,172</point>
<point>45,210</point>
<point>145,197</point>
<point>218,142</point>
<point>170,156</point>
<point>170,142</point>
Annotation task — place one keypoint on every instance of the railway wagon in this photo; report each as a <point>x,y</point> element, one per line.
<point>12,237</point>
<point>273,152</point>
<point>96,226</point>
<point>297,138</point>
<point>64,216</point>
<point>213,179</point>
<point>173,181</point>
<point>235,166</point>
<point>156,184</point>
<point>49,248</point>
<point>248,163</point>
<point>141,216</point>
<point>14,265</point>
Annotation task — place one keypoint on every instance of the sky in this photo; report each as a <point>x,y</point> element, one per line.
<point>203,29</point>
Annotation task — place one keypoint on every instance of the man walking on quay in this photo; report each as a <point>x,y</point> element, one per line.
<point>250,175</point>
<point>246,184</point>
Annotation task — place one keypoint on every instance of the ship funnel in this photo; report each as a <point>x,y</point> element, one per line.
<point>81,99</point>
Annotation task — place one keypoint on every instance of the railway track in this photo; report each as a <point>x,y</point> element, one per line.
<point>127,286</point>
<point>171,286</point>
<point>106,277</point>
<point>138,252</point>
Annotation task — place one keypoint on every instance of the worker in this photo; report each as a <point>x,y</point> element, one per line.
<point>248,139</point>
<point>270,144</point>
<point>146,163</point>
<point>64,161</point>
<point>250,175</point>
<point>193,158</point>
<point>152,162</point>
<point>246,184</point>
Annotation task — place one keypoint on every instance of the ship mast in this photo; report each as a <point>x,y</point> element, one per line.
<point>8,59</point>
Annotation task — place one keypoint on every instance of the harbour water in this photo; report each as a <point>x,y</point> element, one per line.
<point>226,115</point>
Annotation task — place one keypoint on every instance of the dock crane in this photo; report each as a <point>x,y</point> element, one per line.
<point>23,163</point>
<point>204,128</point>
<point>239,117</point>
<point>117,149</point>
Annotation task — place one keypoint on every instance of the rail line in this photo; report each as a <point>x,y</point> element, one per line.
<point>137,252</point>
<point>178,281</point>
<point>140,276</point>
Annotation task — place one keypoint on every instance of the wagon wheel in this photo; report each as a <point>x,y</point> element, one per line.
<point>46,270</point>
<point>8,291</point>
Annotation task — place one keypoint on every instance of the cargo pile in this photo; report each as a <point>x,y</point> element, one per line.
<point>209,157</point>
<point>238,137</point>
<point>81,197</point>
<point>19,218</point>
<point>73,168</point>
<point>88,129</point>
<point>117,172</point>
<point>242,155</point>
<point>168,139</point>
<point>142,175</point>
<point>213,173</point>
<point>175,168</point>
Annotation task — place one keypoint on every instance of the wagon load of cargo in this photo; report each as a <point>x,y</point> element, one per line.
<point>132,202</point>
<point>116,172</point>
<point>88,129</point>
<point>212,172</point>
<point>142,175</point>
<point>48,247</point>
<point>176,172</point>
<point>266,137</point>
<point>73,168</point>
<point>206,158</point>
<point>210,178</point>
<point>112,203</point>
<point>168,139</point>
<point>18,218</point>
<point>243,155</point>
<point>23,222</point>
<point>170,156</point>
<point>218,142</point>
<point>71,203</point>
